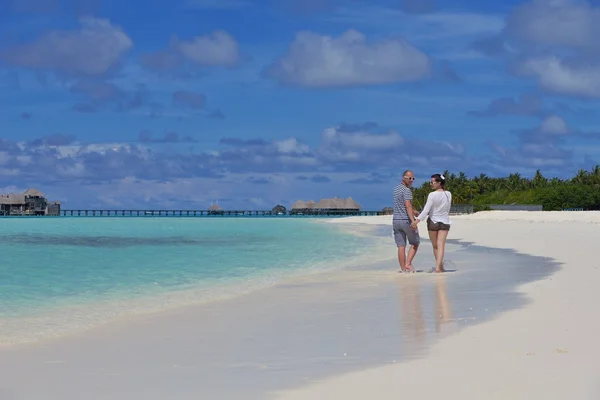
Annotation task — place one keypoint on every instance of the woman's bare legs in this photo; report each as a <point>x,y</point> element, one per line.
<point>433,236</point>
<point>441,247</point>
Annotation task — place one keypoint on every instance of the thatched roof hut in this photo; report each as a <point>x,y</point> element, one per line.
<point>215,210</point>
<point>12,199</point>
<point>328,204</point>
<point>351,204</point>
<point>33,193</point>
<point>19,198</point>
<point>279,209</point>
<point>304,205</point>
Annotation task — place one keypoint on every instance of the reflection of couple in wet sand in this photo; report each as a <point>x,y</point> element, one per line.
<point>413,318</point>
<point>406,219</point>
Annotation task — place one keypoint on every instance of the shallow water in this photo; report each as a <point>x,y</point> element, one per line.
<point>59,274</point>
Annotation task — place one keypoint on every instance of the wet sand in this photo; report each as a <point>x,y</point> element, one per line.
<point>547,349</point>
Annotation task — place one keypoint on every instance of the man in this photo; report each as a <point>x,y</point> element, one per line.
<point>404,216</point>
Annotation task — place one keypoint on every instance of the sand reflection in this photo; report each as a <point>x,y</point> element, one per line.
<point>424,306</point>
<point>443,311</point>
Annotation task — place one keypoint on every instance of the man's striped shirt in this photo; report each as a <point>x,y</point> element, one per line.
<point>401,194</point>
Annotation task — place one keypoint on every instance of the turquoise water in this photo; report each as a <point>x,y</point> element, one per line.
<point>85,270</point>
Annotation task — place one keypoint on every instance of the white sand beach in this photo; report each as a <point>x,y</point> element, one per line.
<point>290,341</point>
<point>546,350</point>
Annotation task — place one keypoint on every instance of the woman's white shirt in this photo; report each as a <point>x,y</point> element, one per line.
<point>437,207</point>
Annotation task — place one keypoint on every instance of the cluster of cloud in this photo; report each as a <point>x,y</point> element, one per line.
<point>347,155</point>
<point>97,49</point>
<point>94,50</point>
<point>362,157</point>
<point>346,148</point>
<point>315,60</point>
<point>217,49</point>
<point>550,41</point>
<point>542,146</point>
<point>554,43</point>
<point>88,58</point>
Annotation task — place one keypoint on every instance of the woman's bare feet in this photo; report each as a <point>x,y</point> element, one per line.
<point>440,269</point>
<point>409,268</point>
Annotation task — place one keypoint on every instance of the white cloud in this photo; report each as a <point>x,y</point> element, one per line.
<point>555,43</point>
<point>554,125</point>
<point>218,48</point>
<point>92,50</point>
<point>359,146</point>
<point>555,23</point>
<point>461,24</point>
<point>99,148</point>
<point>348,60</point>
<point>431,28</point>
<point>332,137</point>
<point>291,146</point>
<point>555,75</point>
<point>4,157</point>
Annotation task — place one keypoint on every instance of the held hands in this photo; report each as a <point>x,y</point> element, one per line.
<point>414,224</point>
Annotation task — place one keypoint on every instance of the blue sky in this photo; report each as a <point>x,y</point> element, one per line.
<point>177,104</point>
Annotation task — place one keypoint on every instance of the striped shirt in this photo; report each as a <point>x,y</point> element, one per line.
<point>401,194</point>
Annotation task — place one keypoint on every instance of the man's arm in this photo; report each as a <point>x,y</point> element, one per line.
<point>409,210</point>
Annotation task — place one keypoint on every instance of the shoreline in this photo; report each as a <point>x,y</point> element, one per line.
<point>268,341</point>
<point>547,349</point>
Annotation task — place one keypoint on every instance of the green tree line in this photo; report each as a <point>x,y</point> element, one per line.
<point>580,191</point>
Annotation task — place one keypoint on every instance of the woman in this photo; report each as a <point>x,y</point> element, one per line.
<point>437,209</point>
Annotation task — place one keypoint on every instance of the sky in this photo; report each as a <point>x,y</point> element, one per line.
<point>251,103</point>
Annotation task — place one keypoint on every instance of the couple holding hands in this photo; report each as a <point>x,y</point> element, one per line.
<point>406,219</point>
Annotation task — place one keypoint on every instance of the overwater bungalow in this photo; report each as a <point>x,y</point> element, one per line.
<point>30,202</point>
<point>279,210</point>
<point>326,206</point>
<point>215,209</point>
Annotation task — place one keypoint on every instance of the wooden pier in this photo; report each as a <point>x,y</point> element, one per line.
<point>207,213</point>
<point>455,210</point>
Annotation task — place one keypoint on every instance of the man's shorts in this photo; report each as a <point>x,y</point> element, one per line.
<point>403,231</point>
<point>436,226</point>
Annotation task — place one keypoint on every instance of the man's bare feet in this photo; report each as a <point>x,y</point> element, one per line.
<point>409,268</point>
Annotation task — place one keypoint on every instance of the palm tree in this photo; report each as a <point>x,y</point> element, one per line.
<point>538,180</point>
<point>581,177</point>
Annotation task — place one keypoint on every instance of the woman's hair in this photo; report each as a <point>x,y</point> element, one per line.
<point>441,179</point>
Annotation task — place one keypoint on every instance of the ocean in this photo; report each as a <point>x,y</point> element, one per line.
<point>70,273</point>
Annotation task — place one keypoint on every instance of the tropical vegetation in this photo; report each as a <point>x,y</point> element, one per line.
<point>580,191</point>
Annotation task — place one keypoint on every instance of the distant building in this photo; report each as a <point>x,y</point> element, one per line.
<point>388,211</point>
<point>326,206</point>
<point>215,210</point>
<point>54,209</point>
<point>30,202</point>
<point>279,210</point>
